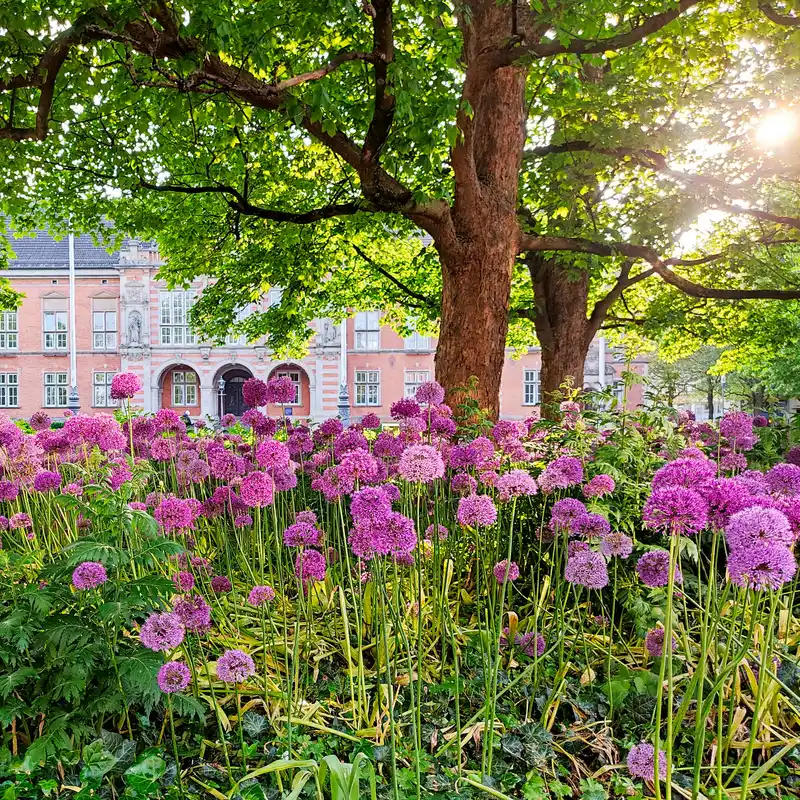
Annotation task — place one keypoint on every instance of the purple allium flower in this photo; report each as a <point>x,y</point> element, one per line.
<point>75,489</point>
<point>653,569</point>
<point>162,632</point>
<point>599,486</point>
<point>516,483</point>
<point>20,520</point>
<point>587,568</point>
<point>194,613</point>
<point>254,392</point>
<point>281,390</point>
<point>567,514</point>
<point>163,449</point>
<point>45,481</point>
<point>616,544</point>
<point>174,514</point>
<point>125,385</point>
<point>439,531</point>
<point>405,408</point>
<point>306,516</point>
<point>793,456</point>
<point>758,526</point>
<point>687,472</point>
<point>242,521</point>
<point>733,462</point>
<point>227,420</point>
<point>765,566</point>
<point>755,481</point>
<point>173,677</point>
<point>183,581</point>
<point>783,480</point>
<point>737,428</point>
<point>725,496</point>
<point>421,464</point>
<point>463,483</point>
<point>500,569</point>
<point>40,421</point>
<point>136,505</point>
<point>593,526</point>
<point>235,666</point>
<point>387,445</point>
<point>563,472</point>
<point>220,584</point>
<point>370,503</point>
<point>89,575</point>
<point>310,566</point>
<point>760,421</point>
<point>8,490</point>
<point>641,762</point>
<point>273,455</point>
<point>476,510</point>
<point>429,393</point>
<point>676,510</point>
<point>532,644</point>
<point>654,642</point>
<point>371,422</point>
<point>360,465</point>
<point>302,534</point>
<point>257,489</point>
<point>260,596</point>
<point>397,537</point>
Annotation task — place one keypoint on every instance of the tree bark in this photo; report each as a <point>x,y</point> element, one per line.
<point>562,326</point>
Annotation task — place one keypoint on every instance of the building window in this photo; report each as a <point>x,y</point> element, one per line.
<point>619,391</point>
<point>294,376</point>
<point>174,316</point>
<point>414,378</point>
<point>8,330</point>
<point>530,387</point>
<point>55,330</point>
<point>9,389</point>
<point>274,297</point>
<point>368,387</point>
<point>184,389</point>
<point>368,330</point>
<point>101,390</point>
<point>104,330</point>
<point>418,342</point>
<point>55,389</point>
<point>239,338</point>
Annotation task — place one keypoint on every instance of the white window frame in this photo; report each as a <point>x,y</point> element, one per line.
<point>9,330</point>
<point>9,389</point>
<point>296,378</point>
<point>417,342</point>
<point>56,390</point>
<point>181,387</point>
<point>531,387</point>
<point>54,337</point>
<point>365,384</point>
<point>101,390</point>
<point>274,296</point>
<point>367,331</point>
<point>239,338</point>
<point>173,317</point>
<point>104,330</point>
<point>413,378</point>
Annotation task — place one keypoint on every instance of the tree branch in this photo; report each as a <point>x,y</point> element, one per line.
<point>602,306</point>
<point>771,14</point>
<point>383,55</point>
<point>426,301</point>
<point>660,267</point>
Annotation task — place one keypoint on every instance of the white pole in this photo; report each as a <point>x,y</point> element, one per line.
<point>343,353</point>
<point>601,362</point>
<point>73,347</point>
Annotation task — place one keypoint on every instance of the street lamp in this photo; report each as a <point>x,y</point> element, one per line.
<point>221,397</point>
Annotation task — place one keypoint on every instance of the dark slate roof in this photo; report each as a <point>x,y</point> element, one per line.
<point>42,251</point>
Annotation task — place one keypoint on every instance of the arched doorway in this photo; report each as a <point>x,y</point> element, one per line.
<point>233,400</point>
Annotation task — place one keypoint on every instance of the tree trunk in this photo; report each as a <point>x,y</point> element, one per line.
<point>710,399</point>
<point>562,327</point>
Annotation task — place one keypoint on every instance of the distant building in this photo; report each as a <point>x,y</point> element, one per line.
<point>128,321</point>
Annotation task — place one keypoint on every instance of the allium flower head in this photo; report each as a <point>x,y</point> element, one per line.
<point>228,420</point>
<point>733,462</point>
<point>370,503</point>
<point>725,496</point>
<point>310,566</point>
<point>89,575</point>
<point>654,642</point>
<point>760,567</point>
<point>46,481</point>
<point>653,569</point>
<point>173,677</point>
<point>125,385</point>
<point>302,534</point>
<point>793,456</point>
<point>616,544</point>
<point>503,567</point>
<point>563,472</point>
<point>220,584</point>
<point>421,464</point>
<point>162,632</point>
<point>587,568</point>
<point>641,762</point>
<point>438,531</point>
<point>516,483</point>
<point>429,393</point>
<point>174,514</point>
<point>8,490</point>
<point>687,472</point>
<point>260,596</point>
<point>194,613</point>
<point>254,392</point>
<point>242,521</point>
<point>281,390</point>
<point>783,480</point>
<point>235,666</point>
<point>360,465</point>
<point>405,408</point>
<point>599,486</point>
<point>567,515</point>
<point>593,526</point>
<point>257,489</point>
<point>676,510</point>
<point>737,428</point>
<point>476,510</point>
<point>40,421</point>
<point>757,526</point>
<point>273,455</point>
<point>371,422</point>
<point>463,483</point>
<point>183,581</point>
<point>20,520</point>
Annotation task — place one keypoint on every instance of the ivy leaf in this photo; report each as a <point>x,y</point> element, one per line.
<point>144,775</point>
<point>97,761</point>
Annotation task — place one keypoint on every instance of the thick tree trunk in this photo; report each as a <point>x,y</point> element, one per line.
<point>562,326</point>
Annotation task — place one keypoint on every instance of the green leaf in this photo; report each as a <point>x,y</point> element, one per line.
<point>97,761</point>
<point>144,775</point>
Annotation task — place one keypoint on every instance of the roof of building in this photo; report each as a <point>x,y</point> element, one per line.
<point>42,251</point>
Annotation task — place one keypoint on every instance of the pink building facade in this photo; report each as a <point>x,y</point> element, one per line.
<point>126,320</point>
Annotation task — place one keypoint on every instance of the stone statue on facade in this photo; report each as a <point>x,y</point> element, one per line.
<point>135,329</point>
